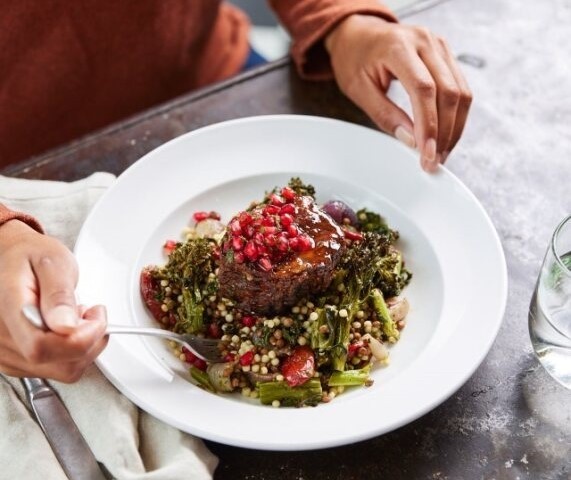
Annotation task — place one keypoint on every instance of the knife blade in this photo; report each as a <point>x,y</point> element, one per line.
<point>68,445</point>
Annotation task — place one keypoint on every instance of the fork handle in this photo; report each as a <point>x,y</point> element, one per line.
<point>155,332</point>
<point>32,313</point>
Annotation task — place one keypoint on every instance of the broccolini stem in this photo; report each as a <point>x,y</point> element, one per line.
<point>343,330</point>
<point>307,394</point>
<point>202,379</point>
<point>323,331</point>
<point>350,377</point>
<point>192,312</point>
<point>388,326</point>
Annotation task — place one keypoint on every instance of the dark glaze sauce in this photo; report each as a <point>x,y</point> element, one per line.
<point>327,235</point>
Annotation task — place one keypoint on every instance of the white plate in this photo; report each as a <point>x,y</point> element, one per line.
<point>457,295</point>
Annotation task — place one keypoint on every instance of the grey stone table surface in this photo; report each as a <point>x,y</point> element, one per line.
<point>510,420</point>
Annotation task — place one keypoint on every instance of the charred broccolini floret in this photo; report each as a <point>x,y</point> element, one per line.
<point>373,222</point>
<point>370,270</point>
<point>302,189</point>
<point>190,268</point>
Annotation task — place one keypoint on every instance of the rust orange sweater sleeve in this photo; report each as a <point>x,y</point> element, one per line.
<point>6,214</point>
<point>309,22</point>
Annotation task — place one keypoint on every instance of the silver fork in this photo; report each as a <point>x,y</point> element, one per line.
<point>204,348</point>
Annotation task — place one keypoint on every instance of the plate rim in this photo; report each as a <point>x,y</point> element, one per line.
<point>498,249</point>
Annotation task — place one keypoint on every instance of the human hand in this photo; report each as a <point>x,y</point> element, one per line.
<point>367,52</point>
<point>37,269</point>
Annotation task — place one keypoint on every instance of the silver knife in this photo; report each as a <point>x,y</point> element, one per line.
<point>68,445</point>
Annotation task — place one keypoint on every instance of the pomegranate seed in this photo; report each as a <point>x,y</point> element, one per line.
<point>188,355</point>
<point>286,220</point>
<point>244,219</point>
<point>258,238</point>
<point>288,194</point>
<point>214,215</point>
<point>251,251</point>
<point>269,231</point>
<point>276,200</point>
<point>247,358</point>
<point>293,231</point>
<point>248,320</point>
<point>262,250</point>
<point>353,349</point>
<point>270,240</point>
<point>216,253</point>
<point>305,243</point>
<point>294,243</point>
<point>287,208</point>
<point>229,357</point>
<point>238,243</point>
<point>268,221</point>
<point>235,227</point>
<point>199,216</point>
<point>282,244</point>
<point>169,246</point>
<point>214,330</point>
<point>249,231</point>
<point>200,364</point>
<point>265,264</point>
<point>239,257</point>
<point>270,210</point>
<point>352,235</point>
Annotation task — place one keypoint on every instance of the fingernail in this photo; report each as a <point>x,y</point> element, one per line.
<point>406,137</point>
<point>63,316</point>
<point>429,154</point>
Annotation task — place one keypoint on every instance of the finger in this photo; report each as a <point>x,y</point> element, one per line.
<point>368,95</point>
<point>410,70</point>
<point>465,100</point>
<point>56,273</point>
<point>97,313</point>
<point>48,347</point>
<point>81,309</point>
<point>68,372</point>
<point>18,289</point>
<point>447,93</point>
<point>13,372</point>
<point>45,360</point>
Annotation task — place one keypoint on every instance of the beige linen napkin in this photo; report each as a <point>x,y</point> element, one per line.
<point>132,444</point>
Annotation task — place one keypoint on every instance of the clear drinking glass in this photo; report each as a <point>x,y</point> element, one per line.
<point>550,309</point>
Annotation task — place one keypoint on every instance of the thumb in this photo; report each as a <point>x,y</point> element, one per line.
<point>59,312</point>
<point>57,276</point>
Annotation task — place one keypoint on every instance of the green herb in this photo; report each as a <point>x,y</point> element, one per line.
<point>301,188</point>
<point>291,334</point>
